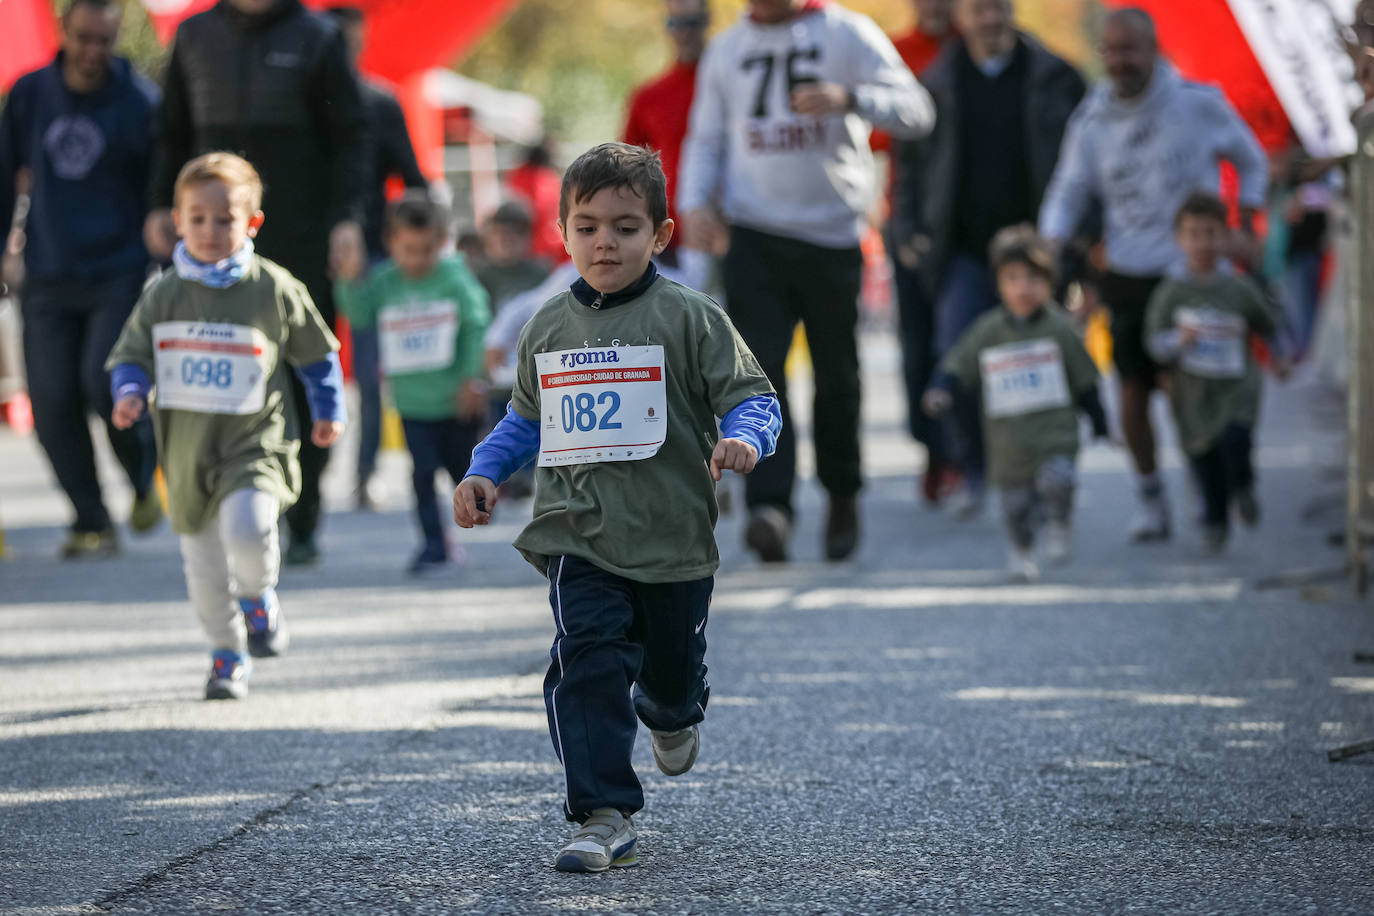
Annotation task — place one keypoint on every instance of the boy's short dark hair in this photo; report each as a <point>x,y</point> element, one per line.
<point>513,214</point>
<point>1202,205</point>
<point>1023,245</point>
<point>616,165</point>
<point>415,209</point>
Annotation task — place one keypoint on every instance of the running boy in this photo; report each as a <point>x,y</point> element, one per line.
<point>619,383</point>
<point>1199,327</point>
<point>432,316</point>
<point>215,340</point>
<point>1034,376</point>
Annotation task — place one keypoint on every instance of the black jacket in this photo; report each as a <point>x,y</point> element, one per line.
<point>276,88</point>
<point>389,153</point>
<point>928,176</point>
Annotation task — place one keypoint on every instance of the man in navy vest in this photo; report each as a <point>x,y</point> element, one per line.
<point>81,128</point>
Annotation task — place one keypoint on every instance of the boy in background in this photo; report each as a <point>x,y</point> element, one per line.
<point>431,316</point>
<point>214,341</point>
<point>1199,327</point>
<point>1034,376</point>
<point>619,383</point>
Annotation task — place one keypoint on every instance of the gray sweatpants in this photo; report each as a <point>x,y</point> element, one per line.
<point>1048,497</point>
<point>235,555</point>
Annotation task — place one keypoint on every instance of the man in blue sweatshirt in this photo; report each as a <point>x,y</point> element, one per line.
<point>81,128</point>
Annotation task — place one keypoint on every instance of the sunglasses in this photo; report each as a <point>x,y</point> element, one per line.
<point>688,22</point>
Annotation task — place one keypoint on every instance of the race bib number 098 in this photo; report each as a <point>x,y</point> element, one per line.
<point>601,405</point>
<point>1022,378</point>
<point>210,367</point>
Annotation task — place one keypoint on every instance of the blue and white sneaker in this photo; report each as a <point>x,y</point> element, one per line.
<point>605,840</point>
<point>267,635</point>
<point>229,674</point>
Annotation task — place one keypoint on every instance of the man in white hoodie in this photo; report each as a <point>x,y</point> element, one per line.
<point>1140,143</point>
<point>778,143</point>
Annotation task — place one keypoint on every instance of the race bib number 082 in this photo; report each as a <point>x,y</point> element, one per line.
<point>210,367</point>
<point>605,404</point>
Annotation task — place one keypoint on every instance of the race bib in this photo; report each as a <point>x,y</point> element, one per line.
<point>417,337</point>
<point>1020,378</point>
<point>1219,351</point>
<point>210,367</point>
<point>601,405</point>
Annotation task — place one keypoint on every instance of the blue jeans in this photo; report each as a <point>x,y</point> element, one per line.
<point>367,373</point>
<point>1301,292</point>
<point>436,444</point>
<point>70,326</point>
<point>967,292</point>
<point>623,650</point>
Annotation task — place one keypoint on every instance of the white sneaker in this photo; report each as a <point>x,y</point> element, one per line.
<point>966,503</point>
<point>605,840</point>
<point>1151,522</point>
<point>1021,566</point>
<point>675,752</point>
<point>1057,546</point>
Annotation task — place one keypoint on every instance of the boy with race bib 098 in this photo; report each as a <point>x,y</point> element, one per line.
<point>431,316</point>
<point>212,342</point>
<point>619,382</point>
<point>1198,326</point>
<point>1034,376</point>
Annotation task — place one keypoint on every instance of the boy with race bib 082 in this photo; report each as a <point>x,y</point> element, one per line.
<point>1198,326</point>
<point>1034,376</point>
<point>619,383</point>
<point>431,316</point>
<point>213,342</point>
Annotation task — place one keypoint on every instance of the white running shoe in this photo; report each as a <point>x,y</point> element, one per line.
<point>605,840</point>
<point>1151,522</point>
<point>675,752</point>
<point>1021,566</point>
<point>1057,546</point>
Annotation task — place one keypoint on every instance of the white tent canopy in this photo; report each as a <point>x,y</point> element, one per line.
<point>501,114</point>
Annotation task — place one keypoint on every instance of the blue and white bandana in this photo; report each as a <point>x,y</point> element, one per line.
<point>219,275</point>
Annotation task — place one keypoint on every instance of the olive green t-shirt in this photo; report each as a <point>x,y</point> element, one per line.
<point>1029,405</point>
<point>1215,383</point>
<point>206,456</point>
<point>650,520</point>
<point>427,388</point>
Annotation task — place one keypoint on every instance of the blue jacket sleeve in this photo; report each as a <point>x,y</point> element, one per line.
<point>127,379</point>
<point>323,383</point>
<point>756,420</point>
<point>513,444</point>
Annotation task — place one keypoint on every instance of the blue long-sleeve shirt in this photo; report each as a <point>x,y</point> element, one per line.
<point>514,442</point>
<point>89,155</point>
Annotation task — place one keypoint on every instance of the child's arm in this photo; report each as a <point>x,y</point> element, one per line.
<point>748,434</point>
<point>474,318</point>
<point>355,296</point>
<point>1089,401</point>
<point>510,446</point>
<point>313,351</point>
<point>130,386</point>
<point>959,368</point>
<point>129,364</point>
<point>323,383</point>
<point>1164,342</point>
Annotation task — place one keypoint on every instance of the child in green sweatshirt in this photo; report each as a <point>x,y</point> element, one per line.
<point>431,316</point>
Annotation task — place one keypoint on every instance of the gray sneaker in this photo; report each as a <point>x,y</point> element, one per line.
<point>675,752</point>
<point>605,840</point>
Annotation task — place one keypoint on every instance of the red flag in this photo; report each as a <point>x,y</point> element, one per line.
<point>27,38</point>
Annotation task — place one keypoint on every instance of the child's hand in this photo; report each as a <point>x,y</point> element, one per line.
<point>326,432</point>
<point>473,501</point>
<point>351,263</point>
<point>936,401</point>
<point>472,400</point>
<point>733,455</point>
<point>1187,336</point>
<point>126,412</point>
<point>493,358</point>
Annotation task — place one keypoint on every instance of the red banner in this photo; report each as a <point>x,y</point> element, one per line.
<point>28,39</point>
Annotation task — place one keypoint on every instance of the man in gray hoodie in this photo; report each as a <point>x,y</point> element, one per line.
<point>1140,143</point>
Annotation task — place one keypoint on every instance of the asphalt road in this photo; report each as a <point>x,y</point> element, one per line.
<point>1143,731</point>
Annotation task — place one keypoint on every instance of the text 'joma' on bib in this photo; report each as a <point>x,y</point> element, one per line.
<point>604,404</point>
<point>417,337</point>
<point>1218,350</point>
<point>1020,378</point>
<point>210,367</point>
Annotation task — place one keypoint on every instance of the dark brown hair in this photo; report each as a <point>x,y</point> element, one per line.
<point>616,165</point>
<point>1023,245</point>
<point>1202,205</point>
<point>415,209</point>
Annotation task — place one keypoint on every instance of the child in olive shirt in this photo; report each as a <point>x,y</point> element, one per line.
<point>213,342</point>
<point>1034,376</point>
<point>431,315</point>
<point>1199,327</point>
<point>619,383</point>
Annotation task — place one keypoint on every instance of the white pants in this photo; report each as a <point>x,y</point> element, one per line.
<point>235,555</point>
